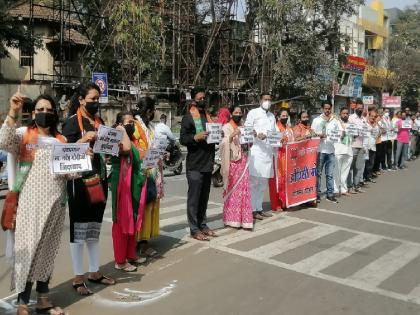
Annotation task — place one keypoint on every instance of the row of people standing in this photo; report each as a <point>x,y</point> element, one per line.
<point>41,208</point>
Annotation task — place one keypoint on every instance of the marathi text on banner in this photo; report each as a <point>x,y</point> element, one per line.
<point>151,159</point>
<point>70,158</point>
<point>274,138</point>
<point>108,140</point>
<point>247,135</point>
<point>406,124</point>
<point>215,132</point>
<point>301,171</point>
<point>334,135</point>
<point>352,130</point>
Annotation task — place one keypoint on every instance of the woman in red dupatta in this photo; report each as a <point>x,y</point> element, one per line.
<point>277,184</point>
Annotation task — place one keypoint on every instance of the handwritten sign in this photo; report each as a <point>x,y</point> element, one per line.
<point>375,132</point>
<point>247,135</point>
<point>352,130</point>
<point>161,143</point>
<point>215,132</point>
<point>365,131</point>
<point>151,159</point>
<point>70,158</point>
<point>334,135</point>
<point>274,138</point>
<point>108,140</point>
<point>406,124</point>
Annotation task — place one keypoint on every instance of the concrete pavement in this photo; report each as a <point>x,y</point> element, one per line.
<point>361,256</point>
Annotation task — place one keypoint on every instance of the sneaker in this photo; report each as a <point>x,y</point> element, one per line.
<point>332,199</point>
<point>266,214</point>
<point>258,216</point>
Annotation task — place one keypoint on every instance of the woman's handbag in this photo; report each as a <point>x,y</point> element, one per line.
<point>8,216</point>
<point>94,190</point>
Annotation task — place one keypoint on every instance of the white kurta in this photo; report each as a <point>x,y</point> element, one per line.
<point>261,153</point>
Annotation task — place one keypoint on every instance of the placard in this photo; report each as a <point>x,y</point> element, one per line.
<point>247,135</point>
<point>365,131</point>
<point>70,158</point>
<point>406,124</point>
<point>334,135</point>
<point>108,140</point>
<point>161,143</point>
<point>375,132</point>
<point>274,138</point>
<point>352,130</point>
<point>151,159</point>
<point>215,132</point>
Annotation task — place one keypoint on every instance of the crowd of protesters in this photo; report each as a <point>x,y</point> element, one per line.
<point>249,170</point>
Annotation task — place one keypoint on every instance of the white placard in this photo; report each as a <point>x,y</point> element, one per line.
<point>274,138</point>
<point>365,131</point>
<point>406,124</point>
<point>161,143</point>
<point>215,132</point>
<point>375,132</point>
<point>352,130</point>
<point>151,159</point>
<point>108,140</point>
<point>247,135</point>
<point>334,135</point>
<point>70,158</point>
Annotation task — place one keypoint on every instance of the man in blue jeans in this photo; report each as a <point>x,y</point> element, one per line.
<point>324,125</point>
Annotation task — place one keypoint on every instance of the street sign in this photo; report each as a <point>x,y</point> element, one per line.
<point>368,99</point>
<point>101,80</point>
<point>391,101</point>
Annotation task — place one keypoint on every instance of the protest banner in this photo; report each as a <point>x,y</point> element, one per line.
<point>274,138</point>
<point>108,140</point>
<point>352,130</point>
<point>406,124</point>
<point>301,171</point>
<point>151,159</point>
<point>334,135</point>
<point>247,135</point>
<point>215,132</point>
<point>70,158</point>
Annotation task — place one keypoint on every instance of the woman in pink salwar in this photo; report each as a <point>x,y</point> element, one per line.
<point>237,210</point>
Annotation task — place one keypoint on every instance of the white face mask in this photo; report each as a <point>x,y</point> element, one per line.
<point>266,105</point>
<point>386,114</point>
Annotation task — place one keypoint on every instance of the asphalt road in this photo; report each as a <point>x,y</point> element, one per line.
<point>361,256</point>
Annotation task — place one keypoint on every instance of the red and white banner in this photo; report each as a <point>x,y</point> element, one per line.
<point>301,172</point>
<point>391,101</point>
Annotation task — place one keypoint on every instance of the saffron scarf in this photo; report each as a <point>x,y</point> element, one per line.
<point>197,118</point>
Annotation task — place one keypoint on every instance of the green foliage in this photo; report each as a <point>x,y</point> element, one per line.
<point>14,34</point>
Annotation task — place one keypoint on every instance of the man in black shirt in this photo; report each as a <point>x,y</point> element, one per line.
<point>200,160</point>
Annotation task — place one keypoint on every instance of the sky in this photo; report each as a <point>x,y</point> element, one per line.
<point>401,4</point>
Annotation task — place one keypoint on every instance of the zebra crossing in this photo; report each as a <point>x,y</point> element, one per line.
<point>313,248</point>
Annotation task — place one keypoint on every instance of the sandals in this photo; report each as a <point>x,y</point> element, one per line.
<point>126,268</point>
<point>209,232</point>
<point>139,260</point>
<point>101,279</point>
<point>76,286</point>
<point>199,236</point>
<point>150,252</point>
<point>23,309</point>
<point>48,310</point>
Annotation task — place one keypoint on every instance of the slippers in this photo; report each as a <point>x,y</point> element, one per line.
<point>101,280</point>
<point>200,237</point>
<point>150,252</point>
<point>126,268</point>
<point>76,286</point>
<point>139,260</point>
<point>209,232</point>
<point>47,310</point>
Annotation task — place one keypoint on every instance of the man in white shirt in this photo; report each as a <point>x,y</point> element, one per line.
<point>324,126</point>
<point>261,153</point>
<point>343,154</point>
<point>385,126</point>
<point>162,130</point>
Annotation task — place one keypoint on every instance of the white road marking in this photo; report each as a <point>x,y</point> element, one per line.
<point>336,253</point>
<point>386,265</point>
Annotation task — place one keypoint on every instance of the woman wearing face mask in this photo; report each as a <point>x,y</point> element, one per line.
<point>85,209</point>
<point>42,197</point>
<point>237,210</point>
<point>303,130</point>
<point>153,189</point>
<point>277,183</point>
<point>127,179</point>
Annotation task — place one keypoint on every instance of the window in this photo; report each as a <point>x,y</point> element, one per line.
<point>26,57</point>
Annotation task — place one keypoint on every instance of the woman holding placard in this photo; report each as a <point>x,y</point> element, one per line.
<point>145,138</point>
<point>127,179</point>
<point>403,140</point>
<point>237,209</point>
<point>39,214</point>
<point>86,196</point>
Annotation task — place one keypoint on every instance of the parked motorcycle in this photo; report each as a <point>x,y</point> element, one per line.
<point>174,163</point>
<point>216,177</point>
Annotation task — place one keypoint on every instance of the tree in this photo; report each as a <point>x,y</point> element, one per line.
<point>13,34</point>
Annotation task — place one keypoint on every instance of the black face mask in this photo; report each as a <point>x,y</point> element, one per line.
<point>359,112</point>
<point>237,118</point>
<point>201,104</point>
<point>129,128</point>
<point>305,122</point>
<point>284,120</point>
<point>44,120</point>
<point>92,108</point>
